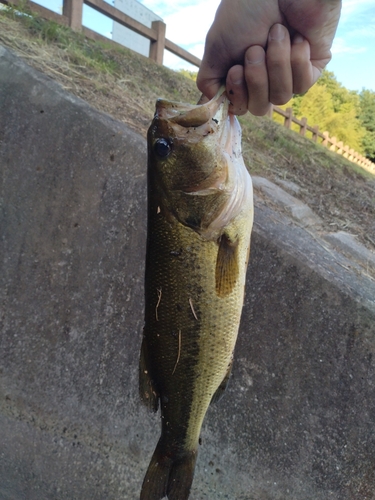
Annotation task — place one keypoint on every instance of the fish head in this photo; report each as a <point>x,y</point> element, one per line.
<point>193,151</point>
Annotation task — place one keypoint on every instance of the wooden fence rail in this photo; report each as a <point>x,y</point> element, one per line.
<point>330,142</point>
<point>72,15</point>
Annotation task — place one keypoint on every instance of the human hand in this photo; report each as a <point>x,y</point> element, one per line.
<point>266,50</point>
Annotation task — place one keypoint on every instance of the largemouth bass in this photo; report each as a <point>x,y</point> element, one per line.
<point>200,215</point>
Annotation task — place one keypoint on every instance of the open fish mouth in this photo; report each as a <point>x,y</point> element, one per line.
<point>209,118</point>
<point>190,115</point>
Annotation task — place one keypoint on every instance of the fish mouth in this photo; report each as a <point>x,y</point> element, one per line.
<point>207,117</point>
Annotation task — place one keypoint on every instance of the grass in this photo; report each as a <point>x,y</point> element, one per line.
<point>78,48</point>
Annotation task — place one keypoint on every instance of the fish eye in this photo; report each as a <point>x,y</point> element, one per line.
<point>163,147</point>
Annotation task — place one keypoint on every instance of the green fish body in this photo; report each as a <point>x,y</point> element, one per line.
<point>200,215</point>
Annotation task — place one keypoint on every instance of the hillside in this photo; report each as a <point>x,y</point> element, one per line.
<point>126,85</point>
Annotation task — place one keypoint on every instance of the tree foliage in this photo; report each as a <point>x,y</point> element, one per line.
<point>367,118</point>
<point>345,114</point>
<point>189,74</point>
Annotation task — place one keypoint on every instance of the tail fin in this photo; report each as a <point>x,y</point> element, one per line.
<point>169,477</point>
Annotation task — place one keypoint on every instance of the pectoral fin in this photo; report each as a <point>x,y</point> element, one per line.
<point>147,390</point>
<point>226,273</point>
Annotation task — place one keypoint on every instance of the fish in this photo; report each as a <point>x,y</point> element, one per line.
<point>200,216</point>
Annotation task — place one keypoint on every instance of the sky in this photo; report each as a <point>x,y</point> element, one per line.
<point>189,20</point>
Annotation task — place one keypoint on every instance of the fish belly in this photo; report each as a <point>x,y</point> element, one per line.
<point>190,331</point>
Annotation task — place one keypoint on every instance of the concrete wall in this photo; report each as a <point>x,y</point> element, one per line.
<point>297,421</point>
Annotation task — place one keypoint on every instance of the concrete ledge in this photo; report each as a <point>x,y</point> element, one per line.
<point>294,207</point>
<point>350,246</point>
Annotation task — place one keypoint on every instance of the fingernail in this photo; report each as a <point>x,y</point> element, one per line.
<point>298,38</point>
<point>250,60</point>
<point>236,81</point>
<point>277,32</point>
<point>255,55</point>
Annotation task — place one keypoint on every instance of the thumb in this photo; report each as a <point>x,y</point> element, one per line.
<point>209,86</point>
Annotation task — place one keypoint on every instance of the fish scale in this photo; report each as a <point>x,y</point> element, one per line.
<point>207,342</point>
<point>194,283</point>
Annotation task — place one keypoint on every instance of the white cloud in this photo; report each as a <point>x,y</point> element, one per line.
<point>176,63</point>
<point>367,31</point>
<point>191,24</point>
<point>357,23</point>
<point>187,20</point>
<point>197,49</point>
<point>352,8</point>
<point>165,8</point>
<point>340,46</point>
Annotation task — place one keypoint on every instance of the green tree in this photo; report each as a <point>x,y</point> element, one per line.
<point>316,105</point>
<point>189,74</point>
<point>333,108</point>
<point>342,98</point>
<point>367,118</point>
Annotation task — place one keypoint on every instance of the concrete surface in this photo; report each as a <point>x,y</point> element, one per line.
<point>280,198</point>
<point>349,245</point>
<point>297,421</point>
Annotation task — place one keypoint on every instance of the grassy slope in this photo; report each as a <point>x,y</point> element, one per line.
<point>126,85</point>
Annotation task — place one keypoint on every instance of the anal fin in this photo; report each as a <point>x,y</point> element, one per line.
<point>147,389</point>
<point>221,389</point>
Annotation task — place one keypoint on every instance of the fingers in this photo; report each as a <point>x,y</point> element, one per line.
<point>256,76</point>
<point>208,87</point>
<point>302,68</point>
<point>279,66</point>
<point>236,90</point>
<point>270,75</point>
